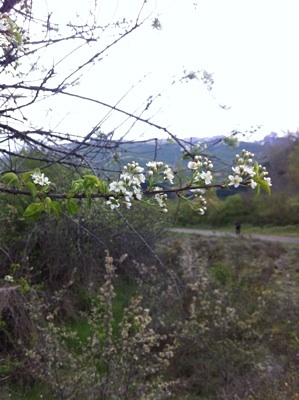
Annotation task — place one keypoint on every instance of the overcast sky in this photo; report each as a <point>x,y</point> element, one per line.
<point>250,46</point>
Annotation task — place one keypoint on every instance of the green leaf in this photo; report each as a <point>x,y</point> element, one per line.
<point>90,181</point>
<point>256,167</point>
<point>257,190</point>
<point>25,287</point>
<point>103,188</point>
<point>26,175</point>
<point>18,37</point>
<point>92,178</point>
<point>56,207</point>
<point>71,207</point>
<point>32,189</point>
<point>47,204</point>
<point>88,198</point>
<point>33,210</point>
<point>10,179</point>
<point>265,185</point>
<point>77,186</point>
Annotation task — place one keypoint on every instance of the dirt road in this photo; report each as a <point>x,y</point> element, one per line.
<point>271,238</point>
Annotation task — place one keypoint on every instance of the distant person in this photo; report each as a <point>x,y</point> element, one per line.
<point>238,227</point>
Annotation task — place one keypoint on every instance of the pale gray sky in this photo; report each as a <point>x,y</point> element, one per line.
<point>250,46</point>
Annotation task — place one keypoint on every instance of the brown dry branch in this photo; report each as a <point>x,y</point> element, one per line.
<point>17,331</point>
<point>15,321</point>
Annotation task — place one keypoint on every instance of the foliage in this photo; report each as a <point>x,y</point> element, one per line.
<point>52,252</point>
<point>277,210</point>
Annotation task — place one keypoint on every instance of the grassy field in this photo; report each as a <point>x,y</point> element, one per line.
<point>289,230</point>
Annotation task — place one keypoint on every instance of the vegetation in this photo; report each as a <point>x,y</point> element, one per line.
<point>97,301</point>
<point>208,330</point>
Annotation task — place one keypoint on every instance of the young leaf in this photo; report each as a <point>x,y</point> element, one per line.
<point>88,198</point>
<point>77,186</point>
<point>47,204</point>
<point>103,187</point>
<point>18,37</point>
<point>32,189</point>
<point>265,185</point>
<point>26,175</point>
<point>257,190</point>
<point>56,207</point>
<point>33,210</point>
<point>90,181</point>
<point>91,178</point>
<point>10,179</point>
<point>256,167</point>
<point>71,207</point>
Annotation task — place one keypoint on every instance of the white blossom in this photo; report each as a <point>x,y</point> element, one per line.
<point>128,196</point>
<point>117,186</point>
<point>138,170</point>
<point>113,203</point>
<point>168,174</point>
<point>268,180</point>
<point>194,164</point>
<point>237,170</point>
<point>235,180</point>
<point>252,184</point>
<point>154,165</point>
<point>249,170</point>
<point>207,177</point>
<point>40,179</point>
<point>160,199</point>
<point>137,193</point>
<point>198,191</point>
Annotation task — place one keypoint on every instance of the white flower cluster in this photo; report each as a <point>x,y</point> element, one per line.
<point>129,184</point>
<point>40,179</point>
<point>202,205</point>
<point>245,171</point>
<point>203,167</point>
<point>202,176</point>
<point>8,278</point>
<point>160,199</point>
<point>156,166</point>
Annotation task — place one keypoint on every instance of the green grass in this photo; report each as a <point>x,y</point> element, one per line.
<point>38,392</point>
<point>288,230</point>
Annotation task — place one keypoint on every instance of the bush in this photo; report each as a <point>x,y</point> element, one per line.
<point>215,319</point>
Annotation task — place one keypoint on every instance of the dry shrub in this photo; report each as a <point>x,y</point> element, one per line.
<point>219,321</point>
<point>17,330</point>
<point>16,324</point>
<point>237,323</point>
<point>125,361</point>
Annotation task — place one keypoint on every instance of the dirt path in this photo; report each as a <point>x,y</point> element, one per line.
<point>271,238</point>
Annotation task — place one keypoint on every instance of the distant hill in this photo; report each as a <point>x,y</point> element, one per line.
<point>117,154</point>
<point>221,154</point>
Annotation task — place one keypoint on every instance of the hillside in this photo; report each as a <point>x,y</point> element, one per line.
<point>220,153</point>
